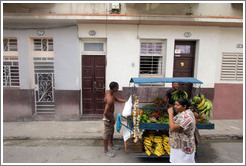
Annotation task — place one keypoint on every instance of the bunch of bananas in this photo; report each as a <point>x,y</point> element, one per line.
<point>148,145</point>
<point>159,150</point>
<point>204,106</point>
<point>197,100</point>
<point>157,145</point>
<point>178,95</point>
<point>166,144</point>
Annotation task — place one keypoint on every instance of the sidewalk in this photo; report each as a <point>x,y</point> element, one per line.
<point>224,130</point>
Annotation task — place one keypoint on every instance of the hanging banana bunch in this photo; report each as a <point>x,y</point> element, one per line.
<point>178,95</point>
<point>203,105</point>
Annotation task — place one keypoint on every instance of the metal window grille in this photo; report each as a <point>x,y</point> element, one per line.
<point>232,67</point>
<point>151,58</point>
<point>11,72</point>
<point>43,44</point>
<point>10,45</point>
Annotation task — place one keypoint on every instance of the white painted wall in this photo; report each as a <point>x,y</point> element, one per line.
<point>122,56</point>
<point>123,46</point>
<point>229,38</point>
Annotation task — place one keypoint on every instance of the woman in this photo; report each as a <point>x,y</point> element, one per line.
<point>181,133</point>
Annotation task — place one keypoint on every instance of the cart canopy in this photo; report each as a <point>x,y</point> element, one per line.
<point>165,80</point>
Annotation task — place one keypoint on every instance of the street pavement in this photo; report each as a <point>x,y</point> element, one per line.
<point>81,142</point>
<point>58,130</point>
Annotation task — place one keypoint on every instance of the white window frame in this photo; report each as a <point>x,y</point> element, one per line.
<point>48,45</point>
<point>10,53</point>
<point>38,54</point>
<point>163,54</point>
<point>41,53</point>
<point>231,66</point>
<point>11,57</point>
<point>103,41</point>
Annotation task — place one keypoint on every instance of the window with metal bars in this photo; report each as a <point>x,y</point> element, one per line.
<point>151,58</point>
<point>43,44</point>
<point>10,44</point>
<point>11,72</point>
<point>232,67</point>
<point>10,63</point>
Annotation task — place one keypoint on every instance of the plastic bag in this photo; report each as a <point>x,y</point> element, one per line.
<point>126,133</point>
<point>127,108</point>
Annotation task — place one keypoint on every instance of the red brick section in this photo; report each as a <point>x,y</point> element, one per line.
<point>228,101</point>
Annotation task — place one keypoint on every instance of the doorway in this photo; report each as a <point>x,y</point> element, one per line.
<point>93,84</point>
<point>184,58</point>
<point>44,85</point>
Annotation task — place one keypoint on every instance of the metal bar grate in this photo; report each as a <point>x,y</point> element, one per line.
<point>11,72</point>
<point>151,65</point>
<point>44,84</point>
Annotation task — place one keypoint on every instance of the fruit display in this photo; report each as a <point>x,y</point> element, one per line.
<point>203,105</point>
<point>156,144</point>
<point>150,120</point>
<point>203,120</point>
<point>154,112</point>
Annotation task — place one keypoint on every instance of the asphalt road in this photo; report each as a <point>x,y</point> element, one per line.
<point>91,151</point>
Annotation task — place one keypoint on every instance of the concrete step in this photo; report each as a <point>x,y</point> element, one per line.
<point>91,117</point>
<point>44,117</point>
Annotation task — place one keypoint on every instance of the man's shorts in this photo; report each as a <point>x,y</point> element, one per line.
<point>108,129</point>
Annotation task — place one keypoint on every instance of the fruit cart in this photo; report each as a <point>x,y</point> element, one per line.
<point>137,128</point>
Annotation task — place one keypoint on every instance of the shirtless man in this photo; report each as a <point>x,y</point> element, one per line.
<point>109,120</point>
<point>168,97</point>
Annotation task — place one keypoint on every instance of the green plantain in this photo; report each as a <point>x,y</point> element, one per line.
<point>203,106</point>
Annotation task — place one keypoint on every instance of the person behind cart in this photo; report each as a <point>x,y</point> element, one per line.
<point>168,96</point>
<point>181,133</point>
<point>109,120</point>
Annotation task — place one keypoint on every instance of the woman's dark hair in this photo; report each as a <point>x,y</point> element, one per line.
<point>112,85</point>
<point>184,102</point>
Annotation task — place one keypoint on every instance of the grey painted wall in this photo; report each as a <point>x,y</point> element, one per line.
<point>66,56</point>
<point>67,59</point>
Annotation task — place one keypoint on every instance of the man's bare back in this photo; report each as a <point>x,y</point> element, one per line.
<point>109,100</point>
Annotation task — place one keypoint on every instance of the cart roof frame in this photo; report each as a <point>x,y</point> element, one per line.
<point>193,80</point>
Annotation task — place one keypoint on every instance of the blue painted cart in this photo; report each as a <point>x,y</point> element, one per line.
<point>161,126</point>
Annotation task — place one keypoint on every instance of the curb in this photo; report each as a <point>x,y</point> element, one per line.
<point>222,137</point>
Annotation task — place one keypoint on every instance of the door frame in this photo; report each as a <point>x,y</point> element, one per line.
<point>48,56</point>
<point>82,76</point>
<point>91,53</point>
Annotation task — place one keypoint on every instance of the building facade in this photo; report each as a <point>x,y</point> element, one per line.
<point>58,59</point>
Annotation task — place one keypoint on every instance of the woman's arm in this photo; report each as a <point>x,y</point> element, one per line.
<point>172,125</point>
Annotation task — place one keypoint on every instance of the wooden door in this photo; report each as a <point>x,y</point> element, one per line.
<point>184,56</point>
<point>93,83</point>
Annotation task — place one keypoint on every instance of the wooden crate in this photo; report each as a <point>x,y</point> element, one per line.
<point>132,147</point>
